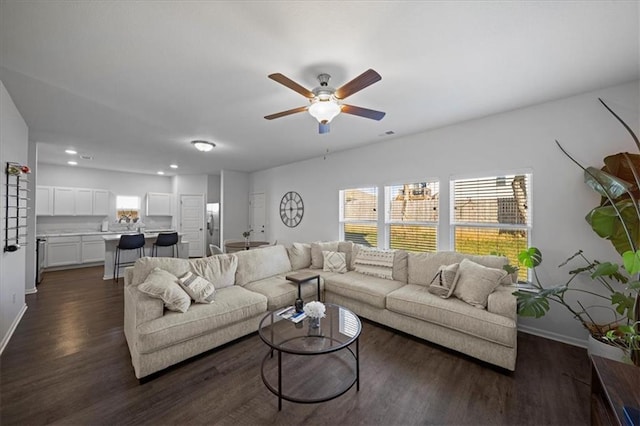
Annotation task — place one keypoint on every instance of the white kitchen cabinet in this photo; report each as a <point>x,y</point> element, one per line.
<point>159,204</point>
<point>63,251</point>
<point>44,201</point>
<point>92,248</point>
<point>100,202</point>
<point>64,201</point>
<point>84,201</point>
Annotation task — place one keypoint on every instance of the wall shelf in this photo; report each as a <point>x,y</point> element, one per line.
<point>16,210</point>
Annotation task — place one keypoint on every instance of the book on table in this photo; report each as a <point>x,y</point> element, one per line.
<point>290,314</point>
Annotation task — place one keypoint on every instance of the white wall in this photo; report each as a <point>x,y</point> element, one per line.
<point>213,188</point>
<point>234,205</point>
<point>118,183</point>
<point>517,140</point>
<point>14,136</point>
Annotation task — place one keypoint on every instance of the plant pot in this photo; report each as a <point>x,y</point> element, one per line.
<point>605,350</point>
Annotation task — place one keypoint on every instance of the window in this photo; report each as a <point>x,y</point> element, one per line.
<point>359,215</point>
<point>412,216</point>
<point>492,215</point>
<point>127,208</point>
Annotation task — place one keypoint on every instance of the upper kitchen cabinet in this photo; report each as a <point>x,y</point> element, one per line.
<point>159,204</point>
<point>60,201</point>
<point>44,201</point>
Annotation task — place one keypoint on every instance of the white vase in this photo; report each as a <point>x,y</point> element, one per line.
<point>596,347</point>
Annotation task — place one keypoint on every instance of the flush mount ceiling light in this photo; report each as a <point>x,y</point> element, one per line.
<point>203,146</point>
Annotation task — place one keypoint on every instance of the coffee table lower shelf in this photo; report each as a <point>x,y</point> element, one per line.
<point>311,378</point>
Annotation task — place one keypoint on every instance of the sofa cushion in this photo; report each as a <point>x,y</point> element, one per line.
<point>400,268</point>
<point>299,255</point>
<point>233,304</point>
<point>163,285</point>
<point>346,247</point>
<point>280,292</point>
<point>219,270</point>
<point>364,288</point>
<point>474,282</point>
<point>197,288</point>
<point>254,265</point>
<point>317,261</point>
<point>375,262</point>
<point>416,301</point>
<point>423,267</point>
<point>334,262</point>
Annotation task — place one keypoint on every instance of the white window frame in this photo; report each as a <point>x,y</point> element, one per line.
<point>388,222</point>
<point>373,222</point>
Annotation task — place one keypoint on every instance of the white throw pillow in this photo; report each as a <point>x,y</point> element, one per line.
<point>334,262</point>
<point>375,262</point>
<point>198,288</point>
<point>474,282</point>
<point>164,285</point>
<point>299,255</point>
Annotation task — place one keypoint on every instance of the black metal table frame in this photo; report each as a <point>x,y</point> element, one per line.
<point>279,392</point>
<point>300,282</point>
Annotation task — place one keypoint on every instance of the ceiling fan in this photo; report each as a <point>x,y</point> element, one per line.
<point>325,102</point>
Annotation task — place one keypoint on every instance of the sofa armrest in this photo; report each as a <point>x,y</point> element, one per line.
<point>503,302</point>
<point>139,308</point>
<point>128,275</point>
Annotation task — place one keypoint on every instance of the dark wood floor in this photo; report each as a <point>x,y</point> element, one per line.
<point>68,363</point>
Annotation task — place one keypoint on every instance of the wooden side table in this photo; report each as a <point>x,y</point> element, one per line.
<point>614,385</point>
<point>301,278</point>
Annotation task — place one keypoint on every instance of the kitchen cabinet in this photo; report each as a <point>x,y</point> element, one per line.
<point>44,201</point>
<point>84,202</point>
<point>64,201</point>
<point>63,251</point>
<point>100,202</point>
<point>159,204</point>
<point>92,248</point>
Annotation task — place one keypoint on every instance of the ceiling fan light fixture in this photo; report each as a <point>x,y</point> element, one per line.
<point>203,146</point>
<point>324,110</point>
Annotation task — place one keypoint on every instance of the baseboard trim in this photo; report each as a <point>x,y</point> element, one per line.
<point>16,321</point>
<point>33,290</point>
<point>553,336</point>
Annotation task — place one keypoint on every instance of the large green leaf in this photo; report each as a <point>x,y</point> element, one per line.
<point>605,184</point>
<point>531,257</point>
<point>606,223</point>
<point>609,270</point>
<point>631,261</point>
<point>536,304</point>
<point>623,166</point>
<point>623,303</point>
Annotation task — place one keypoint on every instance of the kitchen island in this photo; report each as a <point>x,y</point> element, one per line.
<point>111,241</point>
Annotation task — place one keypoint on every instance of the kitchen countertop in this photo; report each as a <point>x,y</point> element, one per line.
<point>147,235</point>
<point>81,233</point>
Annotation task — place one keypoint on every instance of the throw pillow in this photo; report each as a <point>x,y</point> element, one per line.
<point>299,255</point>
<point>474,282</point>
<point>197,287</point>
<point>444,282</point>
<point>317,260</point>
<point>375,262</point>
<point>334,262</point>
<point>164,285</point>
<point>219,270</point>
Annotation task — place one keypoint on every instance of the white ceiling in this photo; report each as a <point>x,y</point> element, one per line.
<point>131,83</point>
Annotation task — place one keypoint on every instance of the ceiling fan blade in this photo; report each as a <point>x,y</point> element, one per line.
<point>287,112</point>
<point>363,112</point>
<point>286,81</point>
<point>365,79</point>
<point>323,128</point>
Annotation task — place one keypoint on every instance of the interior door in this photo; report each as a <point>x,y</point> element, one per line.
<point>192,220</point>
<point>258,214</point>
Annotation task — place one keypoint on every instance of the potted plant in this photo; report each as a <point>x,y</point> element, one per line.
<point>247,235</point>
<point>616,218</point>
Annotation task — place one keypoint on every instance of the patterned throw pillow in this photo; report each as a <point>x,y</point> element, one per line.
<point>444,282</point>
<point>161,284</point>
<point>197,287</point>
<point>334,262</point>
<point>375,262</point>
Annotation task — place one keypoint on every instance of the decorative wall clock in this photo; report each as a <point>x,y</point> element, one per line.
<point>291,209</point>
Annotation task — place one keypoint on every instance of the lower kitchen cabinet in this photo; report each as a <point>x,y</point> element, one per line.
<point>92,248</point>
<point>63,251</point>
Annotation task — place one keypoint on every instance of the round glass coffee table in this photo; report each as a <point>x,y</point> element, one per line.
<point>312,364</point>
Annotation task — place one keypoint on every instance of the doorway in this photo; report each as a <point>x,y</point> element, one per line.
<point>192,222</point>
<point>258,214</point>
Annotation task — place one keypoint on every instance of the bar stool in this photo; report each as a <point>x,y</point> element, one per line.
<point>167,239</point>
<point>127,242</point>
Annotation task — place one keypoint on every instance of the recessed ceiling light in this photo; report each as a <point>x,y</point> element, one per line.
<point>71,151</point>
<point>160,172</point>
<point>203,146</point>
<point>173,166</point>
<point>72,163</point>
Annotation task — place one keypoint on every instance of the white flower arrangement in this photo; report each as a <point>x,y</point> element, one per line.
<point>314,309</point>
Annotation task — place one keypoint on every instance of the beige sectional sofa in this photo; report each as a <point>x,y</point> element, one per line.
<point>158,338</point>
